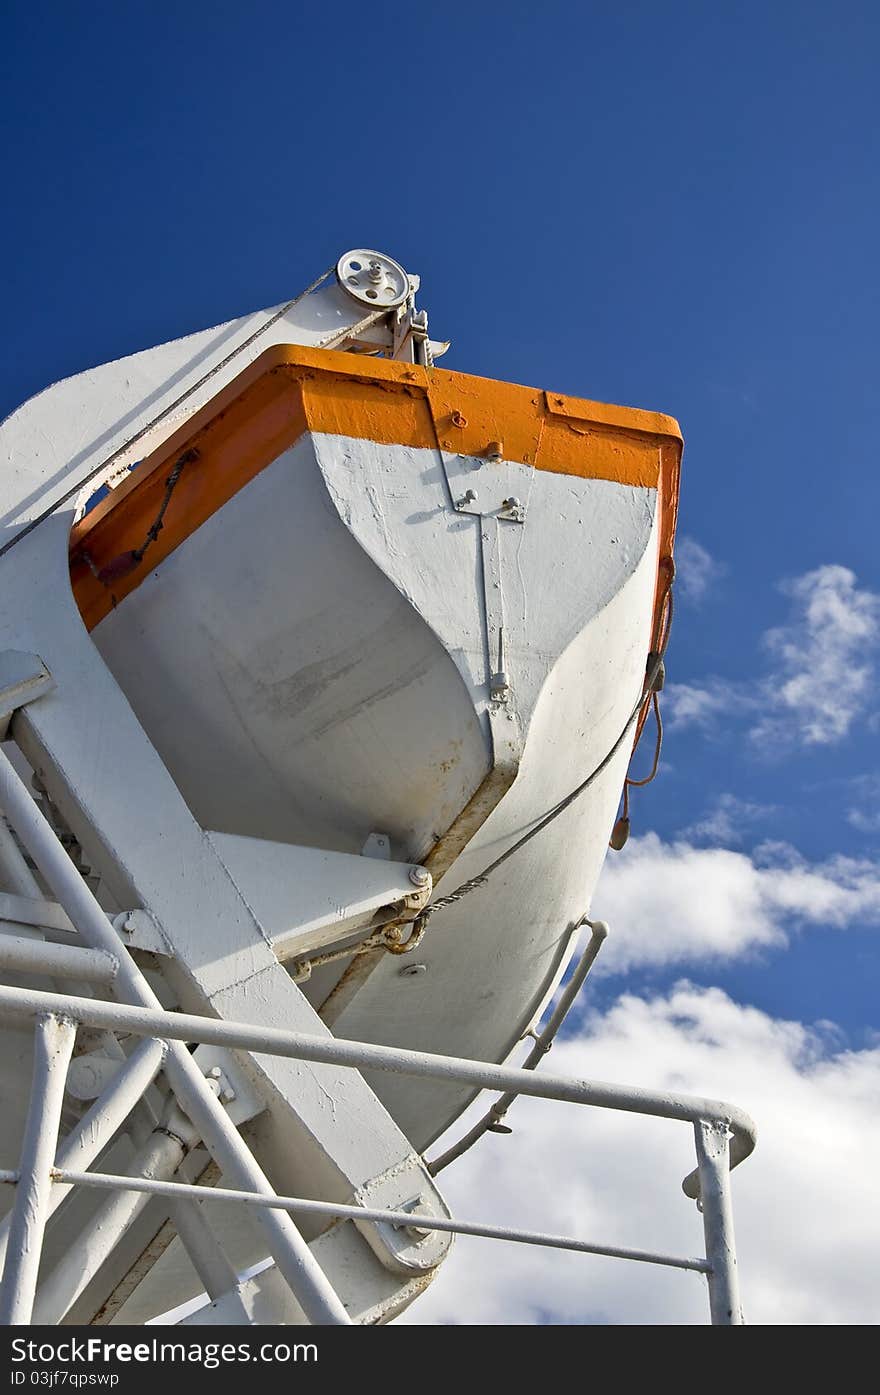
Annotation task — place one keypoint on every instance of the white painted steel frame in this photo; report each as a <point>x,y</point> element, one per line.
<point>53,1047</point>
<point>713,1158</point>
<point>158,1157</point>
<point>107,1181</point>
<point>25,956</point>
<point>724,1134</point>
<point>275,1041</point>
<point>295,1261</point>
<point>96,1128</point>
<point>713,1121</point>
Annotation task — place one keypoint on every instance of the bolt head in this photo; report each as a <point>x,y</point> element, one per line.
<point>419,876</point>
<point>418,1207</point>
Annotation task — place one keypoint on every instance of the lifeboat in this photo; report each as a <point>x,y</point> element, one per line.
<point>395,603</point>
<point>390,630</point>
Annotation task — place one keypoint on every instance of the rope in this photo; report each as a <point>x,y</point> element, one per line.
<point>620,833</point>
<point>166,411</point>
<point>126,562</point>
<point>339,336</point>
<point>658,746</point>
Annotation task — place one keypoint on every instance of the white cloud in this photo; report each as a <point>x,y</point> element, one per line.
<point>673,902</point>
<point>695,569</point>
<point>702,705</point>
<point>807,1223</point>
<point>823,671</point>
<point>727,820</point>
<point>865,814</point>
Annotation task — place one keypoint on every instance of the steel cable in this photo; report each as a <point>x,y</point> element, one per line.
<point>165,412</point>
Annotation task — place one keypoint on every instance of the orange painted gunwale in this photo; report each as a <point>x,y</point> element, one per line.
<point>290,390</point>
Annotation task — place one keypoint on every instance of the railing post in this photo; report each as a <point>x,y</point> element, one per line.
<point>713,1162</point>
<point>297,1264</point>
<point>96,1127</point>
<point>53,1047</point>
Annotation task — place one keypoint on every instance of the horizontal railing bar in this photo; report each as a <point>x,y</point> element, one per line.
<point>110,1182</point>
<point>144,1021</point>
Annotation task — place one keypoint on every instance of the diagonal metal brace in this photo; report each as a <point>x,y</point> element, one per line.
<point>23,677</point>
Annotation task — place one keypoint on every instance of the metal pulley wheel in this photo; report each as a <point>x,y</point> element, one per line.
<point>372,279</point>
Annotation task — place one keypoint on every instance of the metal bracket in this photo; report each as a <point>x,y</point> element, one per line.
<point>493,600</point>
<point>414,1248</point>
<point>485,486</point>
<point>235,1089</point>
<point>33,911</point>
<point>23,678</point>
<point>138,930</point>
<point>310,898</point>
<point>378,845</point>
<point>90,1073</point>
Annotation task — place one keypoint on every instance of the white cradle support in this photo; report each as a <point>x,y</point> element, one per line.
<point>354,1148</point>
<point>210,908</point>
<point>334,1279</point>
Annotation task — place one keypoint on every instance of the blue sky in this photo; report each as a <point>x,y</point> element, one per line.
<point>670,206</point>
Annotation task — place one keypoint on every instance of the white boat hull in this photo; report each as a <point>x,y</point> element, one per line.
<point>417,621</point>
<point>313,665</point>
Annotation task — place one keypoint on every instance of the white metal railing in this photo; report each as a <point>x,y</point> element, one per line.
<point>56,1015</point>
<point>724,1135</point>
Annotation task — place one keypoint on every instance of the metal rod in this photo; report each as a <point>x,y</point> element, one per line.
<point>53,1047</point>
<point>108,1181</point>
<point>178,1026</point>
<point>29,956</point>
<point>308,1282</point>
<point>714,1169</point>
<point>14,871</point>
<point>202,1246</point>
<point>313,1291</point>
<point>95,1129</point>
<point>76,1268</point>
<point>543,1042</point>
<point>15,875</point>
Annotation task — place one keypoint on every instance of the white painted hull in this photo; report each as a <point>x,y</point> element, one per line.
<point>311,666</point>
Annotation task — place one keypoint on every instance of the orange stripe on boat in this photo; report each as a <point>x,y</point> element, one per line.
<point>290,390</point>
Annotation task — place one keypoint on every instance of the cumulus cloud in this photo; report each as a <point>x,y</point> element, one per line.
<point>807,1223</point>
<point>695,569</point>
<point>673,902</point>
<point>727,820</point>
<point>822,669</point>
<point>824,672</point>
<point>702,705</point>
